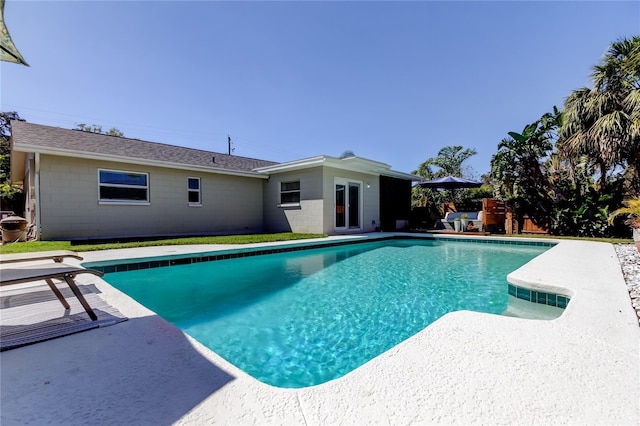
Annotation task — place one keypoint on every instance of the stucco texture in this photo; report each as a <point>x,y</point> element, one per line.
<point>70,208</point>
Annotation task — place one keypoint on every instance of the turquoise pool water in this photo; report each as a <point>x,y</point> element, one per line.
<point>302,318</point>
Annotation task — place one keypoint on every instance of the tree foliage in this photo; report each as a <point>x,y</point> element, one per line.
<point>518,168</point>
<point>571,168</point>
<point>603,122</point>
<point>449,162</point>
<point>5,123</point>
<point>94,128</point>
<point>7,190</point>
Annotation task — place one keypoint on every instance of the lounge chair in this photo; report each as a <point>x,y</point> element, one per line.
<point>443,225</point>
<point>56,255</point>
<point>475,217</point>
<point>44,272</point>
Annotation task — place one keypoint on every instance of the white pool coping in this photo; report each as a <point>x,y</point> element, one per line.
<point>467,367</point>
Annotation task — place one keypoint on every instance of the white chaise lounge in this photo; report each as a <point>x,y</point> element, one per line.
<point>46,272</point>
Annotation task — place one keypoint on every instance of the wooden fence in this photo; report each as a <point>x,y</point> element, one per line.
<point>524,225</point>
<point>493,215</point>
<point>496,218</point>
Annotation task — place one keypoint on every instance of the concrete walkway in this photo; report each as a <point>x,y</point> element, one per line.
<point>466,368</point>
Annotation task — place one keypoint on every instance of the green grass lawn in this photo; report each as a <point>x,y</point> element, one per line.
<point>33,246</point>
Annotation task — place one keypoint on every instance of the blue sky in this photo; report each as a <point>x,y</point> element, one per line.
<point>390,81</point>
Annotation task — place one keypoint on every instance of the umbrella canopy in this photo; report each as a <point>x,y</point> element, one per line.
<point>450,182</point>
<point>8,50</point>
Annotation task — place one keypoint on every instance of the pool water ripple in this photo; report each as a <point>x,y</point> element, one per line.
<point>303,318</point>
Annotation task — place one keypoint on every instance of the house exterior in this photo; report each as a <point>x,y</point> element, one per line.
<point>81,185</point>
<point>337,196</point>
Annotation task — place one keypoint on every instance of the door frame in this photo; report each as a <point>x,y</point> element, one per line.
<point>346,182</point>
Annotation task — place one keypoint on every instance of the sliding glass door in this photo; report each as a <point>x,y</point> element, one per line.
<point>348,200</point>
<point>341,207</point>
<point>354,206</point>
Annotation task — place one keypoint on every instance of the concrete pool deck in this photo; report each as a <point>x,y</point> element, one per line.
<point>467,367</point>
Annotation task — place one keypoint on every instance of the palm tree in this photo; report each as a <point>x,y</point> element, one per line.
<point>604,122</point>
<point>448,162</point>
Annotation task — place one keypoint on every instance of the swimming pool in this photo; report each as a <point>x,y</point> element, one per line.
<point>302,318</point>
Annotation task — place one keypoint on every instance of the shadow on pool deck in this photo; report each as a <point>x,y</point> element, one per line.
<point>114,375</point>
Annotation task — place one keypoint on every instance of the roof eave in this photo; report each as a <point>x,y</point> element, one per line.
<point>402,175</point>
<point>304,163</point>
<point>132,160</point>
<point>354,164</point>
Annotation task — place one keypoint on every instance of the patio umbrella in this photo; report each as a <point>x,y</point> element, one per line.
<point>450,182</point>
<point>8,50</point>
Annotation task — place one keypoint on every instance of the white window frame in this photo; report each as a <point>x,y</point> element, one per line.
<point>198,191</point>
<point>124,200</point>
<point>290,204</point>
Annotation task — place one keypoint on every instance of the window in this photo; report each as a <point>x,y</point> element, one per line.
<point>193,188</point>
<point>123,187</point>
<point>290,192</point>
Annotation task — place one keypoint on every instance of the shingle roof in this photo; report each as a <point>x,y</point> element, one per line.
<point>33,137</point>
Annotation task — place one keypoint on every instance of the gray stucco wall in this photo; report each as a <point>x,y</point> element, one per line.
<point>370,200</point>
<point>315,213</point>
<point>69,206</point>
<point>306,217</point>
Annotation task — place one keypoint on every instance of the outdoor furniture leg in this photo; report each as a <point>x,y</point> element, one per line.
<point>59,295</point>
<point>69,279</point>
